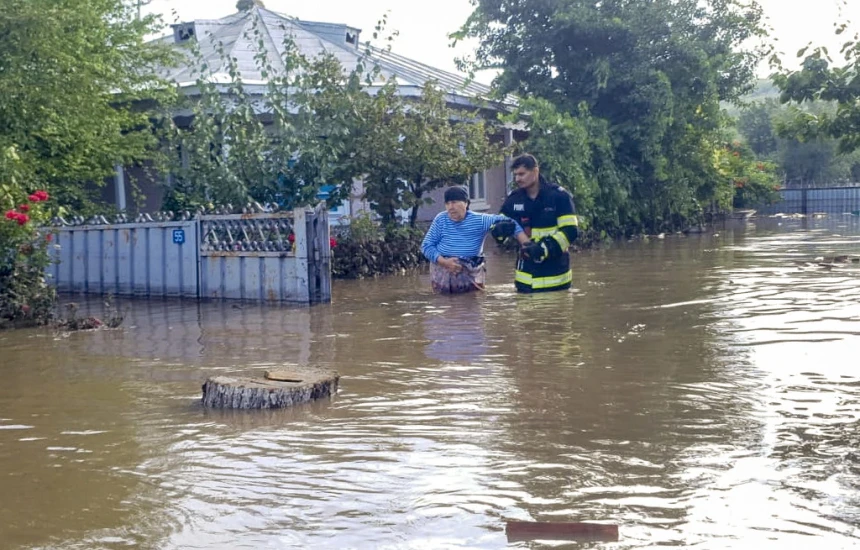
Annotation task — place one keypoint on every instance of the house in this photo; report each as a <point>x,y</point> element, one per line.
<point>487,189</point>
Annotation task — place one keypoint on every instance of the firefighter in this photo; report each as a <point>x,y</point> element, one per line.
<point>546,213</point>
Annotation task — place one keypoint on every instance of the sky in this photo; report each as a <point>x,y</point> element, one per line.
<point>424,26</point>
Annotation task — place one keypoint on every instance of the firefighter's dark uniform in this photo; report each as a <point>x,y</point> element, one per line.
<point>549,220</point>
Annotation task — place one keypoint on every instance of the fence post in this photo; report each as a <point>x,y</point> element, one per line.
<point>322,254</point>
<point>303,250</point>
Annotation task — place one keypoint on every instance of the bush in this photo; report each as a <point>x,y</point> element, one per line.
<point>364,249</point>
<point>753,182</point>
<point>25,297</point>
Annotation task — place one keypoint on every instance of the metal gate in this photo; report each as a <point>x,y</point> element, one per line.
<point>274,257</point>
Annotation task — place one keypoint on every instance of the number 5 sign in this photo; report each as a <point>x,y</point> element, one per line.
<point>178,236</point>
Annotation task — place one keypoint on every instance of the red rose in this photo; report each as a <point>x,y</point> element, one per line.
<point>331,242</point>
<point>24,207</point>
<point>23,218</point>
<point>38,196</point>
<point>11,215</point>
<point>291,238</point>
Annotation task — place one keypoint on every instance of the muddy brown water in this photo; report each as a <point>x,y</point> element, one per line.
<point>698,391</point>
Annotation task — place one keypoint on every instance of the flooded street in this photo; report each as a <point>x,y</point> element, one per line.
<point>698,391</point>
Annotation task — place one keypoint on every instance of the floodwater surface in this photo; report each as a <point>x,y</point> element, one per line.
<point>698,391</point>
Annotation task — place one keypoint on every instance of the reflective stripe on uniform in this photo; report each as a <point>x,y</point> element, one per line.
<point>561,239</point>
<point>539,233</point>
<point>567,220</point>
<point>544,282</point>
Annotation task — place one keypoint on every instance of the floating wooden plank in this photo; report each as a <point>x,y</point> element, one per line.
<point>553,530</point>
<point>283,375</point>
<point>230,392</point>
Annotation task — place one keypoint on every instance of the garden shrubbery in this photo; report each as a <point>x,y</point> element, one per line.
<point>25,297</point>
<point>365,249</point>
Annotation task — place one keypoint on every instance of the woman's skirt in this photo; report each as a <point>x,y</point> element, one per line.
<point>469,279</point>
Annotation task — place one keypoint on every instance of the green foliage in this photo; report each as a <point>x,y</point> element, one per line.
<point>754,182</point>
<point>646,78</point>
<point>25,297</point>
<point>413,146</point>
<point>821,79</point>
<point>363,229</point>
<point>315,115</point>
<point>756,124</point>
<point>73,75</point>
<point>801,159</point>
<point>245,5</point>
<point>567,145</point>
<point>323,126</point>
<point>366,249</point>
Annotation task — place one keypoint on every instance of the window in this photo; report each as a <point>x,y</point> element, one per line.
<point>478,190</point>
<point>183,32</point>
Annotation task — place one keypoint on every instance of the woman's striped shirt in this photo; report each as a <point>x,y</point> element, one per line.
<point>463,239</point>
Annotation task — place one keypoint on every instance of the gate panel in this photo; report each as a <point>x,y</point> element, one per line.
<point>147,259</point>
<point>273,257</point>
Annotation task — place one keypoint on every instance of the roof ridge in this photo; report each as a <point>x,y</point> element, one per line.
<point>272,38</point>
<point>465,78</point>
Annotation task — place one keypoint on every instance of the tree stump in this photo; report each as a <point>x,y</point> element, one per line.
<point>276,389</point>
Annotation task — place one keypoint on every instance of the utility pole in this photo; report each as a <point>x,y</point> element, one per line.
<point>141,3</point>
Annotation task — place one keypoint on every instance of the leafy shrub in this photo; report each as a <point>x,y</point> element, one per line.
<point>25,297</point>
<point>364,249</point>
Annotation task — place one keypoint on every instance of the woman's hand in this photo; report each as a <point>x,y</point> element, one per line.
<point>451,264</point>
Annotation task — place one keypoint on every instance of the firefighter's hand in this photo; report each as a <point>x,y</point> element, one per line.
<point>503,229</point>
<point>451,264</point>
<point>535,252</point>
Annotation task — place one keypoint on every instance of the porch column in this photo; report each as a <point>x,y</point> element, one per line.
<point>509,140</point>
<point>119,185</point>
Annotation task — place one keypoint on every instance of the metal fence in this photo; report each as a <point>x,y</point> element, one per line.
<point>275,257</point>
<point>830,200</point>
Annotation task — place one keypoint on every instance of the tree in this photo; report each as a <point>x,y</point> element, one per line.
<point>245,5</point>
<point>412,147</point>
<point>281,147</point>
<point>571,153</point>
<point>820,78</point>
<point>320,125</point>
<point>78,92</point>
<point>654,72</point>
<point>753,182</point>
<point>801,159</point>
<point>756,124</point>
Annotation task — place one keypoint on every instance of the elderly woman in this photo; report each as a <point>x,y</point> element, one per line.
<point>454,243</point>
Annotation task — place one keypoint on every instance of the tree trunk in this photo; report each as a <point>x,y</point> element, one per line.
<point>413,215</point>
<point>273,391</point>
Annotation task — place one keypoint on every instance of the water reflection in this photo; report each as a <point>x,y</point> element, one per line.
<point>694,390</point>
<point>214,334</point>
<point>454,329</point>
